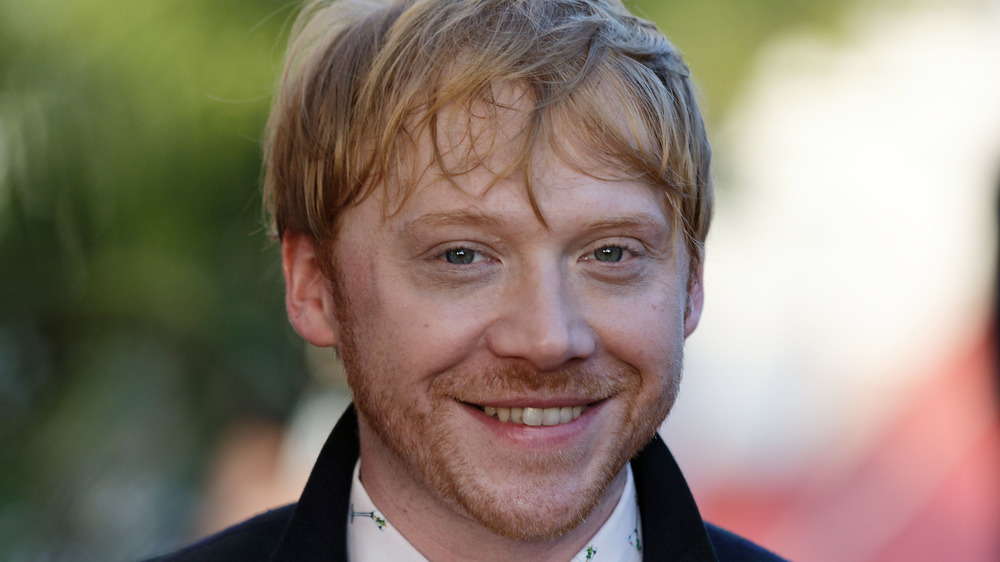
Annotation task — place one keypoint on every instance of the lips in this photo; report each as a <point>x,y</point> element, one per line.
<point>535,416</point>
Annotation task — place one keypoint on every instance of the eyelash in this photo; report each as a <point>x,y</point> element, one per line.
<point>632,251</point>
<point>477,254</point>
<point>460,253</point>
<point>629,251</point>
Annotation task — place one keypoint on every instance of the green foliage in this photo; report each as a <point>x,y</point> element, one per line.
<point>140,302</point>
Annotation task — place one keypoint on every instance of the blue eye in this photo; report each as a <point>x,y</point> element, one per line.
<point>460,256</point>
<point>609,254</point>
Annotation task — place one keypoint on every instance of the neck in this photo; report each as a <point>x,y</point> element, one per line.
<point>441,530</point>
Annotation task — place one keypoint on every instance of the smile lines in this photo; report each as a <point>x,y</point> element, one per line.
<point>535,416</point>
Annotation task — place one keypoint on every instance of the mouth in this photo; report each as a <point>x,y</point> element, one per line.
<point>535,416</point>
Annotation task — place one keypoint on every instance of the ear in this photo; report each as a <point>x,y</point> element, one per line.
<point>696,299</point>
<point>307,297</point>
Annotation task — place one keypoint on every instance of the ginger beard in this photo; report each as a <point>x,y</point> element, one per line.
<point>520,495</point>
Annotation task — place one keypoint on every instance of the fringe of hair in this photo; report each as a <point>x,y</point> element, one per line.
<point>365,81</point>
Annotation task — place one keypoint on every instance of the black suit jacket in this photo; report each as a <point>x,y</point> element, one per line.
<point>315,528</point>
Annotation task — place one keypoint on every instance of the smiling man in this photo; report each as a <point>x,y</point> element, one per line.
<point>494,210</point>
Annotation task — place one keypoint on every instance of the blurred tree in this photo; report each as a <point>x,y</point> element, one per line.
<point>140,305</point>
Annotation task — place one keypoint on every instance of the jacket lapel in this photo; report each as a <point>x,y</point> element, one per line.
<point>672,528</point>
<point>318,527</point>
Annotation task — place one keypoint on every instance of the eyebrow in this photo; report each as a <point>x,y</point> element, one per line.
<point>634,220</point>
<point>487,219</point>
<point>458,218</point>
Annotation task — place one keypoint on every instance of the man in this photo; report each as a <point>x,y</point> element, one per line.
<point>494,210</point>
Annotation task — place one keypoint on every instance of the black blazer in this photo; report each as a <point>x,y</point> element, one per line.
<point>315,528</point>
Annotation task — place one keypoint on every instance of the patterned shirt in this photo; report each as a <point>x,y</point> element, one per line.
<point>371,538</point>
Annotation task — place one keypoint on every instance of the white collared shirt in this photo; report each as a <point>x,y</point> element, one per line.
<point>371,538</point>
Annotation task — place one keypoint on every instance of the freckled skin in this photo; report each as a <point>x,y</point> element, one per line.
<point>462,297</point>
<point>537,300</point>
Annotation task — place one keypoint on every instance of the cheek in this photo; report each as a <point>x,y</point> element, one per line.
<point>647,333</point>
<point>418,335</point>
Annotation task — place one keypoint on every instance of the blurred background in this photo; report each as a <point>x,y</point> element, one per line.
<point>840,399</point>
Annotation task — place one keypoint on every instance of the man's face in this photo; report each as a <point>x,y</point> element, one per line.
<point>464,323</point>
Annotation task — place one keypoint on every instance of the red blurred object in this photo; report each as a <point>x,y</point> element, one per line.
<point>928,488</point>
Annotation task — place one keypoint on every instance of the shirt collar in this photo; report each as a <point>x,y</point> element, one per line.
<point>370,537</point>
<point>620,538</point>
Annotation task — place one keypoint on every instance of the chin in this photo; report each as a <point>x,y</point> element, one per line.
<point>538,513</point>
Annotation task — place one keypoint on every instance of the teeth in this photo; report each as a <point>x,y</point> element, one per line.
<point>565,414</point>
<point>535,416</point>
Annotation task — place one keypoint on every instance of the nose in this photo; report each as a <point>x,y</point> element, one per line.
<point>543,322</point>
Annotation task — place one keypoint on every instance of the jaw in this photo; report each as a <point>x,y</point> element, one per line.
<point>522,482</point>
<point>431,452</point>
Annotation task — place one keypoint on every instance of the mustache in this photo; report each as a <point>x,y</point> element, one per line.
<point>513,378</point>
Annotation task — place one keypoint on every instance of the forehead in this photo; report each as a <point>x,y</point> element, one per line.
<point>552,198</point>
<point>465,150</point>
